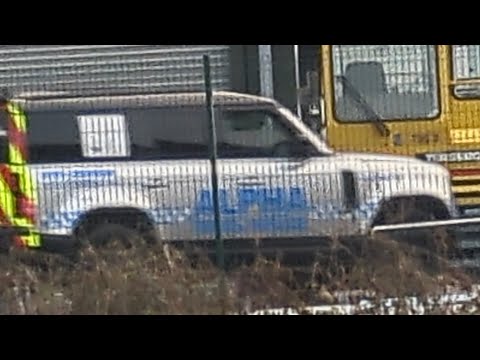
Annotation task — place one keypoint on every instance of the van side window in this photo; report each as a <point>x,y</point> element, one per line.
<point>153,134</point>
<point>104,136</point>
<point>255,134</point>
<point>142,134</point>
<point>170,133</point>
<point>53,137</point>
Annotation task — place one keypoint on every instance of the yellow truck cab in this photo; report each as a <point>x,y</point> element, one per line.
<point>416,100</point>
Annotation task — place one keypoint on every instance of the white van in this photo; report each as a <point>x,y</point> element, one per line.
<point>132,165</point>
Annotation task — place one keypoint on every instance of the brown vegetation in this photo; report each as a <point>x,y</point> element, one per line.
<point>142,281</point>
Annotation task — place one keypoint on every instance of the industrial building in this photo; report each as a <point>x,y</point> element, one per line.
<point>272,70</point>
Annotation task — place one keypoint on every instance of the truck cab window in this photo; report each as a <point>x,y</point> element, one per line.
<point>396,82</point>
<point>257,134</point>
<point>467,61</point>
<point>466,66</point>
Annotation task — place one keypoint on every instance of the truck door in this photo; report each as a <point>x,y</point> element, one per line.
<point>464,123</point>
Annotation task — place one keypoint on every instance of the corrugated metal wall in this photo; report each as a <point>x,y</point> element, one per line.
<point>99,69</point>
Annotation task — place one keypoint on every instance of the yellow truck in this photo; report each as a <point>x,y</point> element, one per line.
<point>416,100</point>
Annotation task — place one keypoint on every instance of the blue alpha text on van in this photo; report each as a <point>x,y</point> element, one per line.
<point>256,210</point>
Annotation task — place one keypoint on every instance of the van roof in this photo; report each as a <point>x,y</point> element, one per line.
<point>42,102</point>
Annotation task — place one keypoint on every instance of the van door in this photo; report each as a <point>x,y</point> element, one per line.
<point>170,150</point>
<point>274,188</point>
<point>154,159</point>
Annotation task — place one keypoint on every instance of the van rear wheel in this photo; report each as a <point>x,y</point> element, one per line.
<point>125,227</point>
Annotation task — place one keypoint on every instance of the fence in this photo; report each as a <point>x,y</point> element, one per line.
<point>115,143</point>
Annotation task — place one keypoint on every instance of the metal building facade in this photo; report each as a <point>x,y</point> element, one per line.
<point>100,69</point>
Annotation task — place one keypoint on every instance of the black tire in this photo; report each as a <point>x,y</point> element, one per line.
<point>433,246</point>
<point>5,245</point>
<point>106,235</point>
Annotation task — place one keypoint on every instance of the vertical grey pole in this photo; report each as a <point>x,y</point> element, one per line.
<point>266,70</point>
<point>213,162</point>
<point>298,85</point>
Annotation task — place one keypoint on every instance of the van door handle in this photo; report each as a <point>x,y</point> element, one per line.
<point>295,166</point>
<point>251,181</point>
<point>156,184</point>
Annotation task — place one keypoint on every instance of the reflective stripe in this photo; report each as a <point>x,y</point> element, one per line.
<point>21,194</point>
<point>33,241</point>
<point>17,133</point>
<point>7,211</point>
<point>7,197</point>
<point>18,115</point>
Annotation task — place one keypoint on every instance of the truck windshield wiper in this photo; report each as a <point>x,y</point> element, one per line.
<point>370,112</point>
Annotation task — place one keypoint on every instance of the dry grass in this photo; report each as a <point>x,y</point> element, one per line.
<point>142,281</point>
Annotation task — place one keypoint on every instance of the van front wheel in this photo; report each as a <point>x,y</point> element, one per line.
<point>435,243</point>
